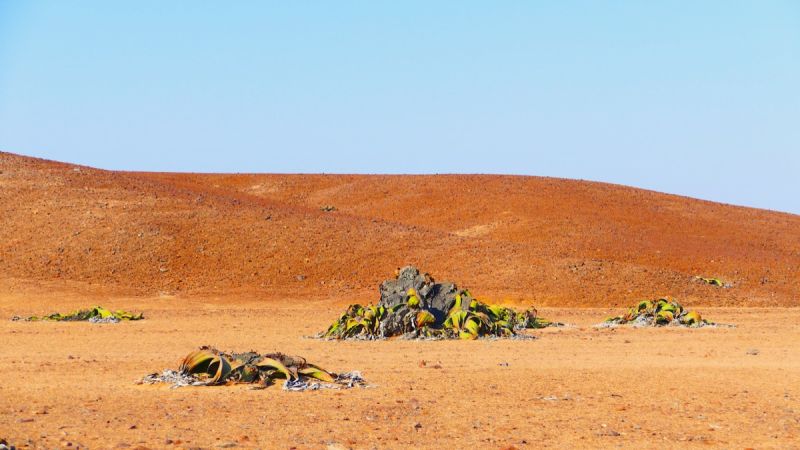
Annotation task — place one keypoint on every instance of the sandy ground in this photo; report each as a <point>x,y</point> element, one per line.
<point>73,384</point>
<point>169,244</point>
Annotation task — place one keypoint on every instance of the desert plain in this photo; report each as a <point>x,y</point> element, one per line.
<point>262,262</point>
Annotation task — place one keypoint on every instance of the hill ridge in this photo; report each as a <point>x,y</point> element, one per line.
<point>524,239</point>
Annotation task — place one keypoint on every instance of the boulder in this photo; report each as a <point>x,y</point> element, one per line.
<point>438,298</point>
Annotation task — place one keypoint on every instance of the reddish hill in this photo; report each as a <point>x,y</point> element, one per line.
<point>543,240</point>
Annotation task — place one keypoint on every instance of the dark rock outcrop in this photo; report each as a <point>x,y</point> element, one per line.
<point>438,298</point>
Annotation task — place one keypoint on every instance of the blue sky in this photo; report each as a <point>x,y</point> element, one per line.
<point>693,98</point>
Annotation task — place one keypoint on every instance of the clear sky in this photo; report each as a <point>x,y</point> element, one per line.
<point>694,98</point>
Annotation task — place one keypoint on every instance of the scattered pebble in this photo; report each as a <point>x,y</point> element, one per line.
<point>607,431</point>
<point>336,446</point>
<point>424,364</point>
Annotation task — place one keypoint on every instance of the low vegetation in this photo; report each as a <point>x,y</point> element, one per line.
<point>208,366</point>
<point>413,305</point>
<point>659,312</point>
<point>97,314</point>
<point>712,281</point>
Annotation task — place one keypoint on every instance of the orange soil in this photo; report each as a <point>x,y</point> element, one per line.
<point>74,383</point>
<point>250,262</point>
<point>519,239</point>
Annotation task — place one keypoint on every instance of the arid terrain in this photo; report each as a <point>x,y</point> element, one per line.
<point>254,262</point>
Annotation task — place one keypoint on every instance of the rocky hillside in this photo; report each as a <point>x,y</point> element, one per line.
<point>524,239</point>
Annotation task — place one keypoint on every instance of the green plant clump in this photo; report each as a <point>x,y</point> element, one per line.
<point>95,314</point>
<point>466,318</point>
<point>712,281</point>
<point>209,367</point>
<point>659,312</point>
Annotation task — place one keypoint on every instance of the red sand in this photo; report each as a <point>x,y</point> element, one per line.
<point>525,239</point>
<point>250,262</point>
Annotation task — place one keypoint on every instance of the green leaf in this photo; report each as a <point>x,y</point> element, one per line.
<point>266,363</point>
<point>315,372</point>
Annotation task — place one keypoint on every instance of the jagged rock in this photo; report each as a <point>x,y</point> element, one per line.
<point>438,298</point>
